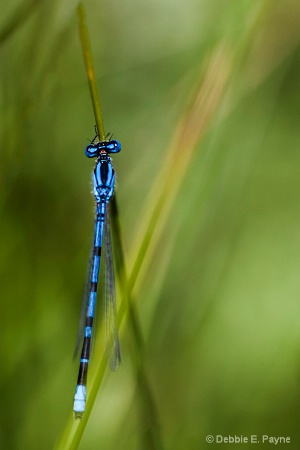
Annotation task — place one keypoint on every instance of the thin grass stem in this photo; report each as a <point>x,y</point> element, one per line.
<point>89,65</point>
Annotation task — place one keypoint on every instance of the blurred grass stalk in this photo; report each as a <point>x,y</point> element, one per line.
<point>149,417</point>
<point>192,126</point>
<point>18,17</point>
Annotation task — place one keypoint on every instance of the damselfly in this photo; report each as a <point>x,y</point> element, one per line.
<point>103,189</point>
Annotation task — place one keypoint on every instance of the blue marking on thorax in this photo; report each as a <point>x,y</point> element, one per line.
<point>103,180</point>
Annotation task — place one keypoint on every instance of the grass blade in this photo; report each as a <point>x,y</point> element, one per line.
<point>89,65</point>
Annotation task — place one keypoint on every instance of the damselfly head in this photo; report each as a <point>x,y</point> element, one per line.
<point>104,147</point>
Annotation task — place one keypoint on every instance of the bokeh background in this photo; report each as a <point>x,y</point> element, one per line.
<point>219,302</point>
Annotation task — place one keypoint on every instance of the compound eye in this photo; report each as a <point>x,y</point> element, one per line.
<point>91,151</point>
<point>113,146</point>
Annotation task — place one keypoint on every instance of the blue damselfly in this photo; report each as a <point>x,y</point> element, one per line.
<point>103,189</point>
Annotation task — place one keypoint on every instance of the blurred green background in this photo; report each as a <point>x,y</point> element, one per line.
<point>219,303</point>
